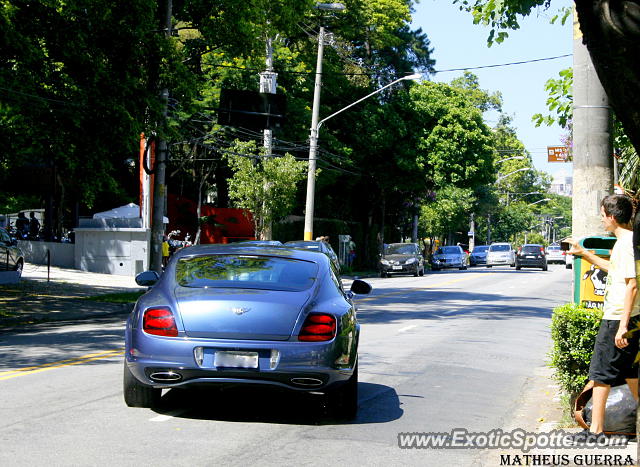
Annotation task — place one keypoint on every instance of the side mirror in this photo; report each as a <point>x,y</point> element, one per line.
<point>147,278</point>
<point>360,287</point>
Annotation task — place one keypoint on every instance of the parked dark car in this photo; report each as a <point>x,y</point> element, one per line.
<point>478,255</point>
<point>324,247</point>
<point>449,257</point>
<point>11,257</point>
<point>401,258</point>
<point>531,256</point>
<point>232,315</point>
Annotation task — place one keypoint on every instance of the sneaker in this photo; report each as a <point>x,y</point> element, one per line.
<point>585,435</point>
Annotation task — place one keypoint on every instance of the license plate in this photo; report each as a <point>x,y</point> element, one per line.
<point>531,257</point>
<point>396,268</point>
<point>230,359</point>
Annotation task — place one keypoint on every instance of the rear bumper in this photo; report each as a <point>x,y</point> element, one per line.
<point>303,366</point>
<point>531,263</point>
<point>401,269</point>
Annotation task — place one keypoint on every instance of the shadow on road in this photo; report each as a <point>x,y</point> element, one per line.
<point>377,404</point>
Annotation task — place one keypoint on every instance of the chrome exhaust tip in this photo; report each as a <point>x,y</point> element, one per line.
<point>165,376</point>
<point>307,382</point>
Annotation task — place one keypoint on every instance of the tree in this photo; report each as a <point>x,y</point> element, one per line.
<point>560,103</point>
<point>611,33</point>
<point>263,184</point>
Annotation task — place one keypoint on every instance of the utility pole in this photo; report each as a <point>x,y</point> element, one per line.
<point>313,142</point>
<point>268,85</point>
<point>592,148</point>
<point>159,187</point>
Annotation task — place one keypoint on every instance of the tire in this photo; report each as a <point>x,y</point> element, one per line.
<point>518,268</point>
<point>421,273</point>
<point>568,266</point>
<point>19,267</point>
<point>137,394</point>
<point>382,274</point>
<point>343,401</point>
<point>545,268</point>
<point>488,266</point>
<point>417,273</point>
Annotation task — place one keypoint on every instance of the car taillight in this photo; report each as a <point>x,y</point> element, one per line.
<point>159,322</point>
<point>318,327</point>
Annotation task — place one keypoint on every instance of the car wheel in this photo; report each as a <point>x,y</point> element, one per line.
<point>343,401</point>
<point>383,274</point>
<point>545,268</point>
<point>421,273</point>
<point>19,267</point>
<point>137,394</point>
<point>417,273</point>
<point>488,266</point>
<point>518,268</point>
<point>568,266</point>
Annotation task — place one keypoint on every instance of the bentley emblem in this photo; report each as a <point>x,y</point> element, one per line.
<point>240,311</point>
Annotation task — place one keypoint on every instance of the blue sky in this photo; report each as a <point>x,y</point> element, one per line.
<point>458,43</point>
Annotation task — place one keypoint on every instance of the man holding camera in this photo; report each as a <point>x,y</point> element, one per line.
<point>613,354</point>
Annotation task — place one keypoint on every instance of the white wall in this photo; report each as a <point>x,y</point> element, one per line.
<point>122,251</point>
<point>62,254</point>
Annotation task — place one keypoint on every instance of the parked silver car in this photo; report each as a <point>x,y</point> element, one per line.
<point>449,257</point>
<point>11,257</point>
<point>555,255</point>
<point>501,254</point>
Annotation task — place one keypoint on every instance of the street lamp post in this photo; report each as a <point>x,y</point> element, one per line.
<point>315,128</point>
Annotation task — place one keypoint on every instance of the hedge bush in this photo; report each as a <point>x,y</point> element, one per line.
<point>573,330</point>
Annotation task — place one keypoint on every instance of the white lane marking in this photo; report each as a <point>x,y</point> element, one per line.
<point>449,312</point>
<point>406,328</point>
<point>168,416</point>
<point>160,418</point>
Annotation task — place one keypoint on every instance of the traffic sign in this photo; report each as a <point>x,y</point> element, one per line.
<point>558,154</point>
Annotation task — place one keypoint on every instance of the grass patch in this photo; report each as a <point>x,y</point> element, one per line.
<point>120,297</point>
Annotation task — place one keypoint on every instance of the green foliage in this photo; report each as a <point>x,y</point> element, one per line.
<point>264,185</point>
<point>454,144</point>
<point>573,330</point>
<point>448,213</point>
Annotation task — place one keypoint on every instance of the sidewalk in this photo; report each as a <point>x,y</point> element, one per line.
<point>60,295</point>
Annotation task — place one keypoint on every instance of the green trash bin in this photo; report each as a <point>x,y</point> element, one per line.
<point>589,280</point>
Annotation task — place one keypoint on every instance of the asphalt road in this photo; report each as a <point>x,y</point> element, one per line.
<point>453,349</point>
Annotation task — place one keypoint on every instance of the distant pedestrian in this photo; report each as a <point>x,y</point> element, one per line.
<point>22,226</point>
<point>165,251</point>
<point>34,226</point>
<point>351,254</point>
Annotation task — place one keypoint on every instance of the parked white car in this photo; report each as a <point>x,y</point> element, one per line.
<point>555,254</point>
<point>501,254</point>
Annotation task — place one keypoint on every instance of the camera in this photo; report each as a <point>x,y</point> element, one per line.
<point>565,246</point>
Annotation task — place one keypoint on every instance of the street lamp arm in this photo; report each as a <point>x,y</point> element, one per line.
<point>502,177</point>
<point>413,76</point>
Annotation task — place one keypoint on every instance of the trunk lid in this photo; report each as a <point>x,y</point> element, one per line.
<point>252,314</point>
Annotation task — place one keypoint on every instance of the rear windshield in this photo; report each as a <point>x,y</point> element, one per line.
<point>400,249</point>
<point>531,248</point>
<point>480,249</point>
<point>246,271</point>
<point>499,248</point>
<point>448,250</point>
<point>554,248</point>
